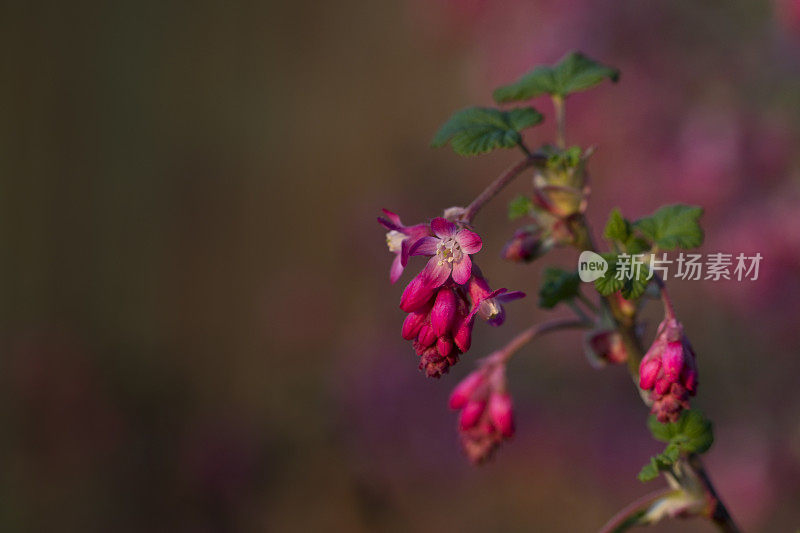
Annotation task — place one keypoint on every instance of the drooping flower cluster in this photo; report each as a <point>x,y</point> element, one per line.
<point>487,417</point>
<point>443,299</point>
<point>669,371</point>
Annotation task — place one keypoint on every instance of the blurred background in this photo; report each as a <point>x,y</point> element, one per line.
<point>197,329</point>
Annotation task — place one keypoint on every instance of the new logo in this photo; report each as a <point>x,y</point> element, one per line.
<point>591,266</point>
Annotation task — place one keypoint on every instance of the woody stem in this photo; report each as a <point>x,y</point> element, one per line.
<point>526,336</point>
<point>498,185</point>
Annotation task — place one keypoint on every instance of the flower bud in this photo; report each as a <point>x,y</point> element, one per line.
<point>526,245</point>
<point>463,333</point>
<point>605,347</point>
<point>465,389</point>
<point>672,359</point>
<point>426,336</point>
<point>648,372</point>
<point>501,413</point>
<point>444,345</point>
<point>669,371</point>
<point>471,413</point>
<point>413,324</point>
<point>443,314</point>
<point>416,294</point>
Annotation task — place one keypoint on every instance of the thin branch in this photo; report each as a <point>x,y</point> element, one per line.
<point>526,336</point>
<point>497,185</point>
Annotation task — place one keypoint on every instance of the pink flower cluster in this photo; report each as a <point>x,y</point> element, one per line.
<point>487,417</point>
<point>669,371</point>
<point>443,299</point>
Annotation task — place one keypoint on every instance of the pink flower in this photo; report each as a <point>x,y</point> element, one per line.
<point>450,250</point>
<point>487,414</point>
<point>488,303</point>
<point>669,371</point>
<point>400,239</point>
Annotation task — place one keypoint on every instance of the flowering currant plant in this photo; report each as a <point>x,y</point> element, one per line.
<point>444,298</point>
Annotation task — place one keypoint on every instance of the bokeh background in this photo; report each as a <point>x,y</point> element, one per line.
<point>198,333</point>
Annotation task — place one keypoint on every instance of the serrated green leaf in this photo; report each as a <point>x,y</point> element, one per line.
<point>671,453</point>
<point>477,130</point>
<point>662,432</point>
<point>557,286</point>
<point>617,228</point>
<point>649,471</point>
<point>609,284</point>
<point>573,73</point>
<point>673,226</point>
<point>634,287</point>
<point>630,287</point>
<point>692,433</point>
<point>519,207</point>
<point>698,430</point>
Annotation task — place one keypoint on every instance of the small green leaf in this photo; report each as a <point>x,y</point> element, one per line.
<point>575,72</point>
<point>617,228</point>
<point>698,430</point>
<point>558,159</point>
<point>649,471</point>
<point>608,283</point>
<point>632,287</point>
<point>519,207</point>
<point>692,433</point>
<point>662,432</point>
<point>557,286</point>
<point>673,226</point>
<point>477,130</point>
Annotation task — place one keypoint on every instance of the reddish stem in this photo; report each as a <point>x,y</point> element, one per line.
<point>498,185</point>
<point>505,353</point>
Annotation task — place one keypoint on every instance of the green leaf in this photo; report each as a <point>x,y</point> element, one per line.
<point>557,286</point>
<point>617,228</point>
<point>558,159</point>
<point>609,284</point>
<point>477,130</point>
<point>651,470</point>
<point>575,72</point>
<point>673,226</point>
<point>519,207</point>
<point>692,433</point>
<point>631,287</point>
